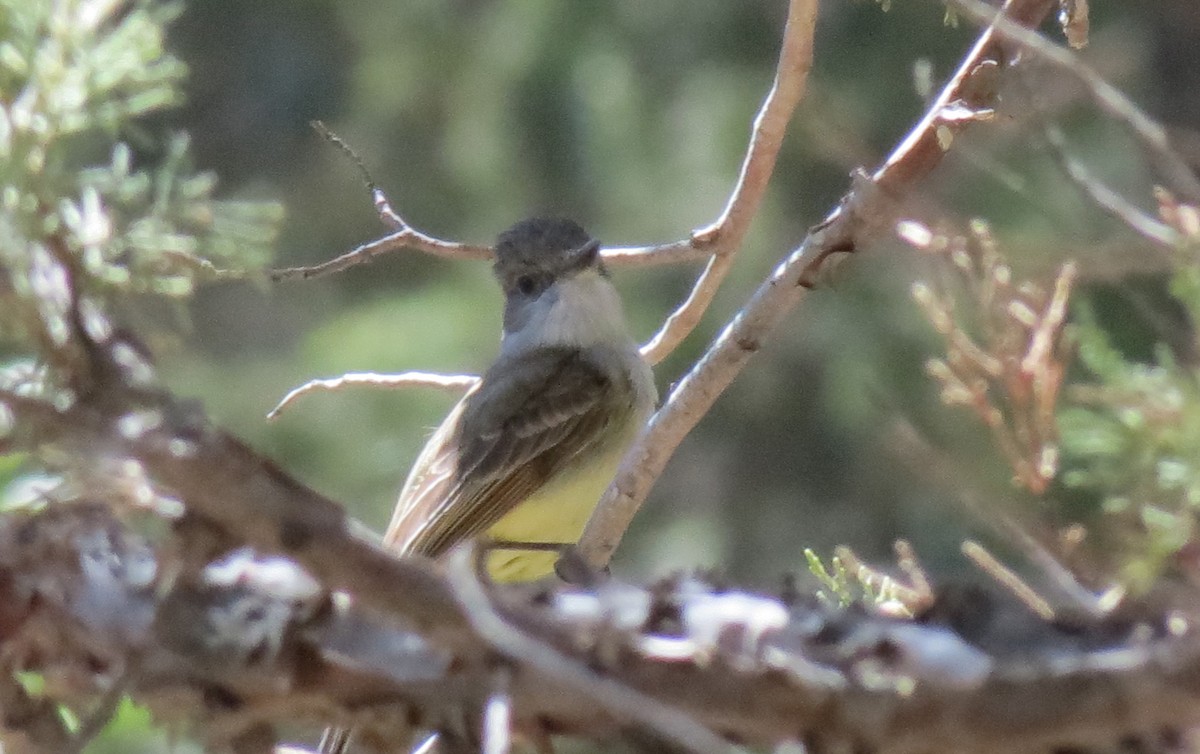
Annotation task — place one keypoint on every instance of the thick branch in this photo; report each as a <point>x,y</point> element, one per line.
<point>251,642</point>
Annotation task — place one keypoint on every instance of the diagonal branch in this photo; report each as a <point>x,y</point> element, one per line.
<point>1151,135</point>
<point>1106,198</point>
<point>859,215</point>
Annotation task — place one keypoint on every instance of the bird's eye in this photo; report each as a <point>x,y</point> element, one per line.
<point>526,285</point>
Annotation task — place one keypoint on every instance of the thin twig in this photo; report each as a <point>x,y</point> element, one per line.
<point>407,238</point>
<point>904,442</point>
<point>676,252</point>
<point>404,235</point>
<point>1007,578</point>
<point>1103,196</point>
<point>727,232</point>
<point>1151,135</point>
<point>860,212</point>
<point>1106,198</point>
<point>719,241</point>
<point>449,382</point>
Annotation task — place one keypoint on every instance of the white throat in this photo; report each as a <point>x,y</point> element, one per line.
<point>583,310</point>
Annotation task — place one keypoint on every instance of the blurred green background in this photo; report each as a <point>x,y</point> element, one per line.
<point>632,117</point>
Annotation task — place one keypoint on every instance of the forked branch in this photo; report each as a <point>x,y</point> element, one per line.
<point>718,241</point>
<point>862,212</point>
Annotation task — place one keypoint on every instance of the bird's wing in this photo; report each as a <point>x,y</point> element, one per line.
<point>429,481</point>
<point>518,428</point>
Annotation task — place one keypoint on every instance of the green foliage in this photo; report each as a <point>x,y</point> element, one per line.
<point>85,185</point>
<point>842,585</point>
<point>75,77</point>
<point>1129,437</point>
<point>131,731</point>
<point>837,585</point>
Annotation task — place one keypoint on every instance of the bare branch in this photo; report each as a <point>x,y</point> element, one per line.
<point>675,252</point>
<point>726,233</point>
<point>719,241</point>
<point>1006,577</point>
<point>860,213</point>
<point>448,382</point>
<point>1151,135</point>
<point>618,699</point>
<point>239,649</point>
<point>403,235</point>
<point>406,238</point>
<point>1106,198</point>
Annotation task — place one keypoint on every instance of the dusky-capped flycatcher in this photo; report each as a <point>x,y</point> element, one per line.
<point>523,458</point>
<point>525,455</point>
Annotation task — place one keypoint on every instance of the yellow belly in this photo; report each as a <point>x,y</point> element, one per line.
<point>556,513</point>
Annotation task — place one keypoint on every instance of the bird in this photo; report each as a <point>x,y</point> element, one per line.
<point>524,457</point>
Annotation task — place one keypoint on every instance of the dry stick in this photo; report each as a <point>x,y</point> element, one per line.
<point>448,382</point>
<point>1007,578</point>
<point>719,241</point>
<point>1150,134</point>
<point>405,236</point>
<point>676,252</point>
<point>1106,198</point>
<point>770,126</point>
<point>842,231</point>
<point>906,443</point>
<point>1111,202</point>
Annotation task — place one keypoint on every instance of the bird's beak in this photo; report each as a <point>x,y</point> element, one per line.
<point>583,257</point>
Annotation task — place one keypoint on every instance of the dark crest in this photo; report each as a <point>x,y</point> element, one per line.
<point>538,242</point>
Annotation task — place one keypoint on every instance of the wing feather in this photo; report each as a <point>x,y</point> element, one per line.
<point>513,432</point>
